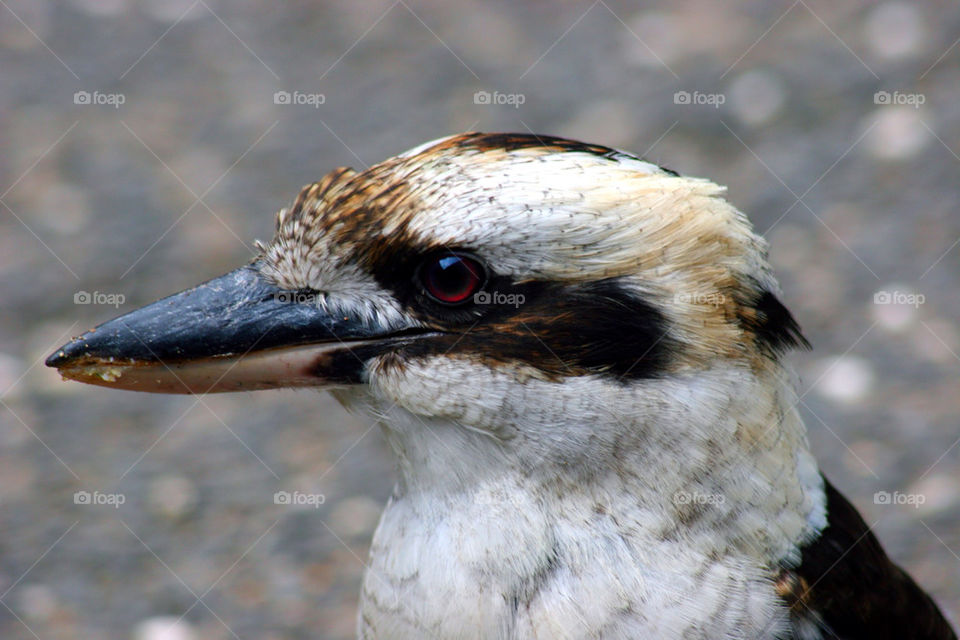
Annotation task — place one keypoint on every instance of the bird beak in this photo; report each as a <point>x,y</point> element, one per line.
<point>237,332</point>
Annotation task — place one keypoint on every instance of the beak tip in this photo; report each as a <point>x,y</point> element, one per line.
<point>56,359</point>
<point>68,353</point>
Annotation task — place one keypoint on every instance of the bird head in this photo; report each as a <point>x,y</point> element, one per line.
<point>515,297</point>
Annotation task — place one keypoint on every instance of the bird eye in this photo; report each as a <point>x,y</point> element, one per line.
<point>451,278</point>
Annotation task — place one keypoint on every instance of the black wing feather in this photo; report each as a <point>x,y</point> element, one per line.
<point>849,584</point>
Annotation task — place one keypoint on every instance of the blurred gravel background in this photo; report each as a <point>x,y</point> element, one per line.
<point>856,190</point>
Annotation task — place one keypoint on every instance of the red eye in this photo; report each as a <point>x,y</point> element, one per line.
<point>451,278</point>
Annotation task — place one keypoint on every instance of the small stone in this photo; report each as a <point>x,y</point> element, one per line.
<point>845,379</point>
<point>895,307</point>
<point>38,601</point>
<point>898,133</point>
<point>164,628</point>
<point>756,96</point>
<point>172,496</point>
<point>895,30</point>
<point>935,493</point>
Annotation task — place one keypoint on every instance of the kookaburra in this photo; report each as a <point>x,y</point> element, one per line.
<point>578,359</point>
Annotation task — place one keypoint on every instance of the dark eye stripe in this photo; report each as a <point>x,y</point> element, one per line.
<point>562,330</point>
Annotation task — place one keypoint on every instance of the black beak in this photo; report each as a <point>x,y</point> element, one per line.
<point>233,333</point>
